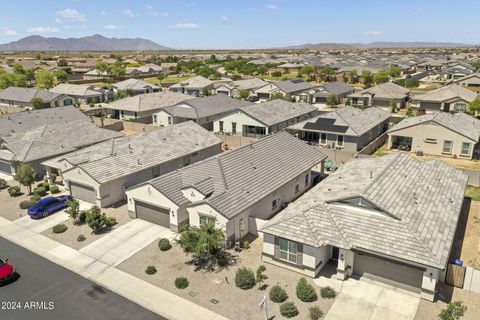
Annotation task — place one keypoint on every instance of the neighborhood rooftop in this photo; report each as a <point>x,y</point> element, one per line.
<point>134,84</point>
<point>276,111</point>
<point>149,101</point>
<point>27,94</point>
<point>75,89</point>
<point>446,93</point>
<point>387,90</point>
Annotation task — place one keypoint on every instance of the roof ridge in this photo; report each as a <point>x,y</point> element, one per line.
<point>351,127</point>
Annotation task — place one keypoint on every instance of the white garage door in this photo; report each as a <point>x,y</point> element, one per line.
<point>387,271</point>
<point>154,214</point>
<point>5,168</point>
<point>83,192</point>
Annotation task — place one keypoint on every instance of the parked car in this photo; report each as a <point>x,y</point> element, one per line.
<point>6,271</point>
<point>48,205</point>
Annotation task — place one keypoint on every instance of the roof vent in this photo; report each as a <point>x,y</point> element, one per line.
<point>138,161</point>
<point>371,174</point>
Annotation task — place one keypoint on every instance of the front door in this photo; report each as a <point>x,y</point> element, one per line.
<point>335,253</point>
<point>446,107</point>
<point>242,227</point>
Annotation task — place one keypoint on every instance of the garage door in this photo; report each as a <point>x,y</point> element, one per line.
<point>387,271</point>
<point>5,168</point>
<point>154,214</point>
<point>83,192</point>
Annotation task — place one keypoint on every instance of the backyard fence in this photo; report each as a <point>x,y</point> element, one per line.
<point>455,275</point>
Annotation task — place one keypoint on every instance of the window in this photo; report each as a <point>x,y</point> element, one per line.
<point>430,140</point>
<point>274,204</point>
<point>186,160</point>
<point>156,171</point>
<point>169,120</point>
<point>67,102</point>
<point>459,107</point>
<point>340,141</point>
<point>323,138</point>
<point>204,220</point>
<point>307,180</point>
<point>447,147</point>
<point>297,188</point>
<point>288,250</point>
<point>154,118</point>
<point>234,127</point>
<point>220,125</point>
<point>465,149</point>
<point>136,114</point>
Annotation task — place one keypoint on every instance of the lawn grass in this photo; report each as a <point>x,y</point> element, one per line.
<point>473,193</point>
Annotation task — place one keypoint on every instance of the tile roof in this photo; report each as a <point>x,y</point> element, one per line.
<point>447,93</point>
<point>249,84</point>
<point>148,101</point>
<point>460,122</point>
<point>27,94</point>
<point>411,209</point>
<point>81,90</point>
<point>289,86</point>
<point>134,84</point>
<point>195,82</point>
<point>387,90</point>
<point>277,111</point>
<point>243,176</point>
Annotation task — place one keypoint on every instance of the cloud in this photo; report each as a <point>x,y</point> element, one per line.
<point>42,30</point>
<point>8,32</point>
<point>158,13</point>
<point>185,26</point>
<point>75,27</point>
<point>103,13</point>
<point>372,33</point>
<point>129,13</point>
<point>69,15</point>
<point>223,18</point>
<point>272,7</point>
<point>113,27</point>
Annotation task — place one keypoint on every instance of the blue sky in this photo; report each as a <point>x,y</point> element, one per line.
<point>203,24</point>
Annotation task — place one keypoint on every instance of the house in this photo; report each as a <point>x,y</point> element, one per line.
<point>136,86</point>
<point>142,106</point>
<point>22,97</point>
<point>290,89</point>
<point>35,136</point>
<point>197,86</point>
<point>470,82</point>
<point>438,133</point>
<point>81,92</point>
<point>235,190</point>
<point>456,71</point>
<point>340,89</point>
<point>264,118</point>
<point>149,69</point>
<point>101,173</point>
<point>451,98</point>
<point>380,96</point>
<point>348,128</point>
<point>96,74</point>
<point>234,88</point>
<point>392,219</point>
<point>201,110</point>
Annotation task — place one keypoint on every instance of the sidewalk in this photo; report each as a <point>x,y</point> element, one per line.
<point>153,298</point>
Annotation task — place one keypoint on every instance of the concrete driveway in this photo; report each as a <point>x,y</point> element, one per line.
<point>362,299</point>
<point>120,244</point>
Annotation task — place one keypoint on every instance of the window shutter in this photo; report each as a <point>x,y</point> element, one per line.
<point>276,250</point>
<point>299,254</point>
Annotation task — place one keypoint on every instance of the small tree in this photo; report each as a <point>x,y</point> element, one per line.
<point>73,210</point>
<point>45,79</point>
<point>260,277</point>
<point>98,220</point>
<point>474,107</point>
<point>305,291</point>
<point>278,96</point>
<point>204,242</point>
<point>244,94</point>
<point>244,278</point>
<point>26,176</point>
<point>332,99</point>
<point>409,112</point>
<point>37,103</point>
<point>393,105</point>
<point>454,311</point>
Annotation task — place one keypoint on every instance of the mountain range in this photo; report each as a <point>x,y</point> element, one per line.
<point>90,43</point>
<point>380,45</point>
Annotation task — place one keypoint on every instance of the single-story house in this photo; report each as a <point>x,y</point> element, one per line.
<point>380,96</point>
<point>451,98</point>
<point>40,135</point>
<point>22,97</point>
<point>456,71</point>
<point>233,88</point>
<point>200,110</point>
<point>144,70</point>
<point>340,89</point>
<point>136,86</point>
<point>348,128</point>
<point>264,118</point>
<point>100,174</point>
<point>143,106</point>
<point>392,219</point>
<point>197,86</point>
<point>438,133</point>
<point>235,190</point>
<point>291,90</point>
<point>470,82</point>
<point>81,92</point>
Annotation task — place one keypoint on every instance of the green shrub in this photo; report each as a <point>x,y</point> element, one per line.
<point>164,244</point>
<point>222,259</point>
<point>453,311</point>
<point>81,238</point>
<point>82,216</point>
<point>14,191</point>
<point>244,278</point>
<point>314,313</point>
<point>181,282</point>
<point>59,228</point>
<point>97,220</point>
<point>3,184</point>
<point>288,309</point>
<point>35,198</point>
<point>150,270</point>
<point>327,293</point>
<point>305,291</point>
<point>25,204</point>
<point>45,184</point>
<point>278,294</point>
<point>54,189</point>
<point>40,191</point>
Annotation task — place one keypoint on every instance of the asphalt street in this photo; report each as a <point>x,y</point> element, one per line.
<point>44,290</point>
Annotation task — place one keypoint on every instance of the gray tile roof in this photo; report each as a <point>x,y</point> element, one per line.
<point>134,84</point>
<point>336,88</point>
<point>195,82</point>
<point>25,121</point>
<point>120,157</point>
<point>239,178</point>
<point>460,123</point>
<point>27,94</point>
<point>80,90</point>
<point>290,86</point>
<point>278,111</point>
<point>447,93</point>
<point>357,120</point>
<point>412,209</point>
<point>387,90</point>
<point>249,84</point>
<point>148,101</point>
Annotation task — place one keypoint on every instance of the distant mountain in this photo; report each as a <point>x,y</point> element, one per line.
<point>380,45</point>
<point>90,43</point>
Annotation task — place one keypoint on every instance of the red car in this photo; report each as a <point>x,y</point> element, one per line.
<point>6,271</point>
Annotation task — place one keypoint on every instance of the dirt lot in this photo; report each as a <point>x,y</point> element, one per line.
<point>234,303</point>
<point>470,251</point>
<point>430,310</point>
<point>69,237</point>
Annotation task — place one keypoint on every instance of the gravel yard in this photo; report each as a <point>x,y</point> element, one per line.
<point>233,302</point>
<point>69,237</point>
